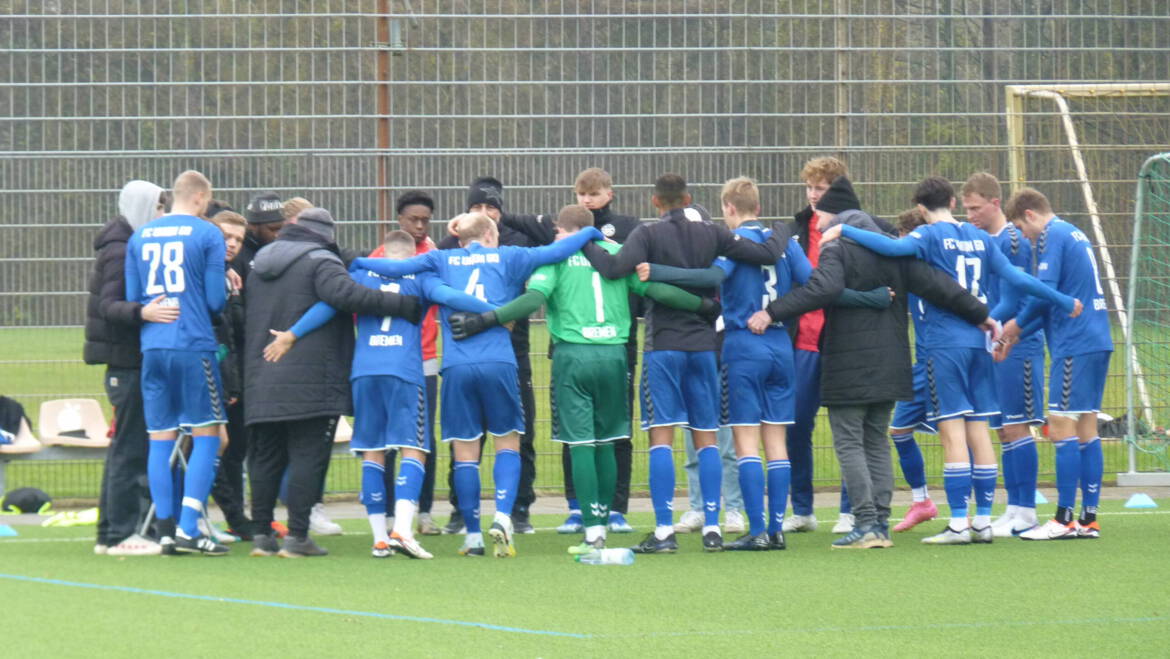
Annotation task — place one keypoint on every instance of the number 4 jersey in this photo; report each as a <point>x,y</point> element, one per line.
<point>182,258</point>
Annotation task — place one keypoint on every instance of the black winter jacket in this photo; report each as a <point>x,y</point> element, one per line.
<point>112,323</point>
<point>288,276</point>
<point>542,229</point>
<point>865,355</point>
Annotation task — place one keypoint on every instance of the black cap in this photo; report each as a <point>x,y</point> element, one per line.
<point>486,190</point>
<point>264,208</point>
<point>839,197</point>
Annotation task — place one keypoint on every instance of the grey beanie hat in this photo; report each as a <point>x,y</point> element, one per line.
<point>317,220</point>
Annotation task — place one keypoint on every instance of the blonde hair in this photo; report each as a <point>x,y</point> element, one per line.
<point>983,184</point>
<point>1026,199</point>
<point>593,179</point>
<point>742,194</point>
<point>291,208</point>
<point>825,168</point>
<point>474,226</point>
<point>190,183</point>
<point>229,218</point>
<point>399,244</point>
<point>574,217</point>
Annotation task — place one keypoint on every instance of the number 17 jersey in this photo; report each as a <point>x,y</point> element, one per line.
<point>961,251</point>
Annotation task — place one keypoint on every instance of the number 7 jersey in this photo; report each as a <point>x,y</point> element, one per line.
<point>180,257</point>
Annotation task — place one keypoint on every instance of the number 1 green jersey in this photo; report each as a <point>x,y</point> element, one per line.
<point>583,306</point>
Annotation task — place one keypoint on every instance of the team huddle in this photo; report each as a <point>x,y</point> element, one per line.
<point>747,327</point>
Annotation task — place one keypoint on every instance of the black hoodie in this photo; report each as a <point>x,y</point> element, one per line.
<point>112,323</point>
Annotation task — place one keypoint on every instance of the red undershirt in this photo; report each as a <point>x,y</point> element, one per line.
<point>808,333</point>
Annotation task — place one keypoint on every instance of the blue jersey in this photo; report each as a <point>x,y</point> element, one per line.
<point>1067,263</point>
<point>1018,250</point>
<point>961,251</point>
<point>749,288</point>
<point>388,345</point>
<point>181,257</point>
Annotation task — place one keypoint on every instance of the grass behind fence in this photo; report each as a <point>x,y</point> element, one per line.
<point>45,363</point>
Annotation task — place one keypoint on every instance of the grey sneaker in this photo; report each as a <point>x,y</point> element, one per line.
<point>455,524</point>
<point>300,548</point>
<point>264,545</point>
<point>426,525</point>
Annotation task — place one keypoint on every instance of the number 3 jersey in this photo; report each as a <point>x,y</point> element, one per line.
<point>182,258</point>
<point>749,288</point>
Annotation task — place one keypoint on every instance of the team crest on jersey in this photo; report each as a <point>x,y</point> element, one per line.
<point>608,230</point>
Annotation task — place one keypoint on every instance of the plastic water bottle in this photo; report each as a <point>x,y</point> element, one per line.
<point>610,556</point>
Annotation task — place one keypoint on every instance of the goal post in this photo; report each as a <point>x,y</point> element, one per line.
<point>1114,128</point>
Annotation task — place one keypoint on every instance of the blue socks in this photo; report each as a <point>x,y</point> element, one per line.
<point>910,459</point>
<point>983,479</point>
<point>1011,479</point>
<point>373,487</point>
<point>200,476</point>
<point>506,474</point>
<point>957,483</point>
<point>1092,469</point>
<point>1027,467</point>
<point>158,471</point>
<point>467,493</point>
<point>779,478</point>
<point>710,483</point>
<point>751,484</point>
<point>409,482</point>
<point>662,484</point>
<point>845,507</point>
<point>1068,472</point>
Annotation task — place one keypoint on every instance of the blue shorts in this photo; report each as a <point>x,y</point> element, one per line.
<point>1076,384</point>
<point>181,389</point>
<point>960,383</point>
<point>389,413</point>
<point>760,371</point>
<point>680,389</point>
<point>1019,382</point>
<point>912,414</point>
<point>476,397</point>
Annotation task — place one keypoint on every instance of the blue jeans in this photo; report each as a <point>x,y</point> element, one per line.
<point>732,498</point>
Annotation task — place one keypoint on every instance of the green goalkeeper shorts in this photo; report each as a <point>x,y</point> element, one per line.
<point>589,402</point>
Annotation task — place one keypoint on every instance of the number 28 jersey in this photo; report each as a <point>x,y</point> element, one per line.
<point>182,258</point>
<point>961,251</point>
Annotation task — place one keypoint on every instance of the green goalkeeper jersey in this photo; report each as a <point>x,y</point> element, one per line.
<point>583,306</point>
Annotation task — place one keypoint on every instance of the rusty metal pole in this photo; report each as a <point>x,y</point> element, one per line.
<point>383,112</point>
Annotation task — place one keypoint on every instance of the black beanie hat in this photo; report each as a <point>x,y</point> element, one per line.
<point>839,197</point>
<point>264,208</point>
<point>486,190</point>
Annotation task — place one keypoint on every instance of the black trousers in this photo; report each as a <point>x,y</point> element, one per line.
<point>228,490</point>
<point>427,496</point>
<point>526,493</point>
<point>125,490</point>
<point>623,448</point>
<point>303,446</point>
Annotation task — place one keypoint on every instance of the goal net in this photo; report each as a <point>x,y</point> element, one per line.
<point>1081,144</point>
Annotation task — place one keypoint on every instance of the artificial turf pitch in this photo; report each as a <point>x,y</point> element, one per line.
<point>1109,597</point>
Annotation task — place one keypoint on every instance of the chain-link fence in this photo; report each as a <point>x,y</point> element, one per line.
<point>348,103</point>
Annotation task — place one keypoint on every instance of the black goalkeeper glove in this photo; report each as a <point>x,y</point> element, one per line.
<point>464,323</point>
<point>410,309</point>
<point>709,309</point>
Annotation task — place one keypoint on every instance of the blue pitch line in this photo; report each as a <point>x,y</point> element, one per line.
<point>293,607</point>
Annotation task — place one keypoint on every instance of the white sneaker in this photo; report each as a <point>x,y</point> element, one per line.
<point>949,536</point>
<point>734,522</point>
<point>691,521</point>
<point>1050,530</point>
<point>1003,525</point>
<point>799,524</point>
<point>135,545</point>
<point>844,524</point>
<point>222,537</point>
<point>101,550</point>
<point>426,525</point>
<point>320,524</point>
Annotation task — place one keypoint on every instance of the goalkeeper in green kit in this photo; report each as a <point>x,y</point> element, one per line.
<point>589,320</point>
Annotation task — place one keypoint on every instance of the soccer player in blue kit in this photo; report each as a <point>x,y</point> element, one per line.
<point>1019,379</point>
<point>480,387</point>
<point>959,368</point>
<point>180,255</point>
<point>1079,348</point>
<point>389,394</point>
